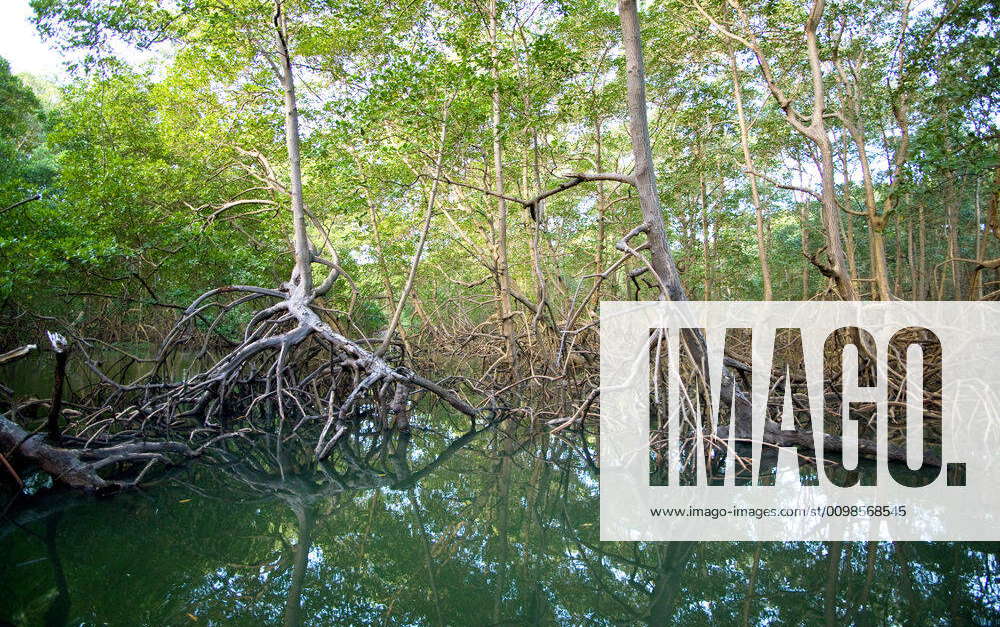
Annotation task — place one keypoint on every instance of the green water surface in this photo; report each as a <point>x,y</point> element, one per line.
<point>440,527</point>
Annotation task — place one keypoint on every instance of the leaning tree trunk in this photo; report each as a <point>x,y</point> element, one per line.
<point>661,261</point>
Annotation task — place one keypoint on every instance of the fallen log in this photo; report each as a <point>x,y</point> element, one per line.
<point>78,468</point>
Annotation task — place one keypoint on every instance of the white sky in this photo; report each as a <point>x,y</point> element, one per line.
<point>24,49</point>
<point>21,45</point>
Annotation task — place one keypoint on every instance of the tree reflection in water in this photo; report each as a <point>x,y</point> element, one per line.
<point>497,526</point>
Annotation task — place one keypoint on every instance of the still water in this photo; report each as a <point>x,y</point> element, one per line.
<point>442,527</point>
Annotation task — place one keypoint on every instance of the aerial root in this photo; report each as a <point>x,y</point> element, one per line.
<point>291,377</point>
<point>291,361</point>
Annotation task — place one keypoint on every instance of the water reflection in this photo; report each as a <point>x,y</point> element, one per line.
<point>494,527</point>
<point>363,463</point>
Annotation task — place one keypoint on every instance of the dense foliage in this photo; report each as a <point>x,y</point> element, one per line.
<point>140,171</point>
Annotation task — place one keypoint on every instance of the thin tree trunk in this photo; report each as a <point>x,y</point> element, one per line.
<point>848,218</point>
<point>503,268</point>
<point>706,282</point>
<point>713,276</point>
<point>860,607</point>
<point>897,286</point>
<point>428,556</point>
<point>911,259</point>
<point>536,231</point>
<point>922,266</point>
<point>956,589</point>
<point>61,348</point>
<point>980,241</point>
<point>831,221</point>
<point>601,200</point>
<point>876,222</point>
<point>423,239</point>
<point>806,245</point>
<point>390,296</point>
<point>302,275</point>
<point>912,598</point>
<point>502,527</point>
<point>951,208</point>
<point>765,270</point>
<point>880,264</point>
<point>293,602</point>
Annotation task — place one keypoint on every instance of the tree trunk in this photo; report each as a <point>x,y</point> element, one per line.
<point>898,274</point>
<point>302,274</point>
<point>408,286</point>
<point>922,256</point>
<point>293,601</point>
<point>601,202</point>
<point>912,610</point>
<point>818,133</point>
<point>390,296</point>
<point>503,267</point>
<point>705,257</point>
<point>804,227</point>
<point>980,243</point>
<point>661,261</point>
<point>831,221</point>
<point>541,293</point>
<point>672,556</point>
<point>751,587</point>
<point>765,270</point>
<point>852,264</point>
<point>72,467</point>
<point>876,222</point>
<point>951,207</point>
<point>879,262</point>
<point>60,346</point>
<point>911,259</point>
